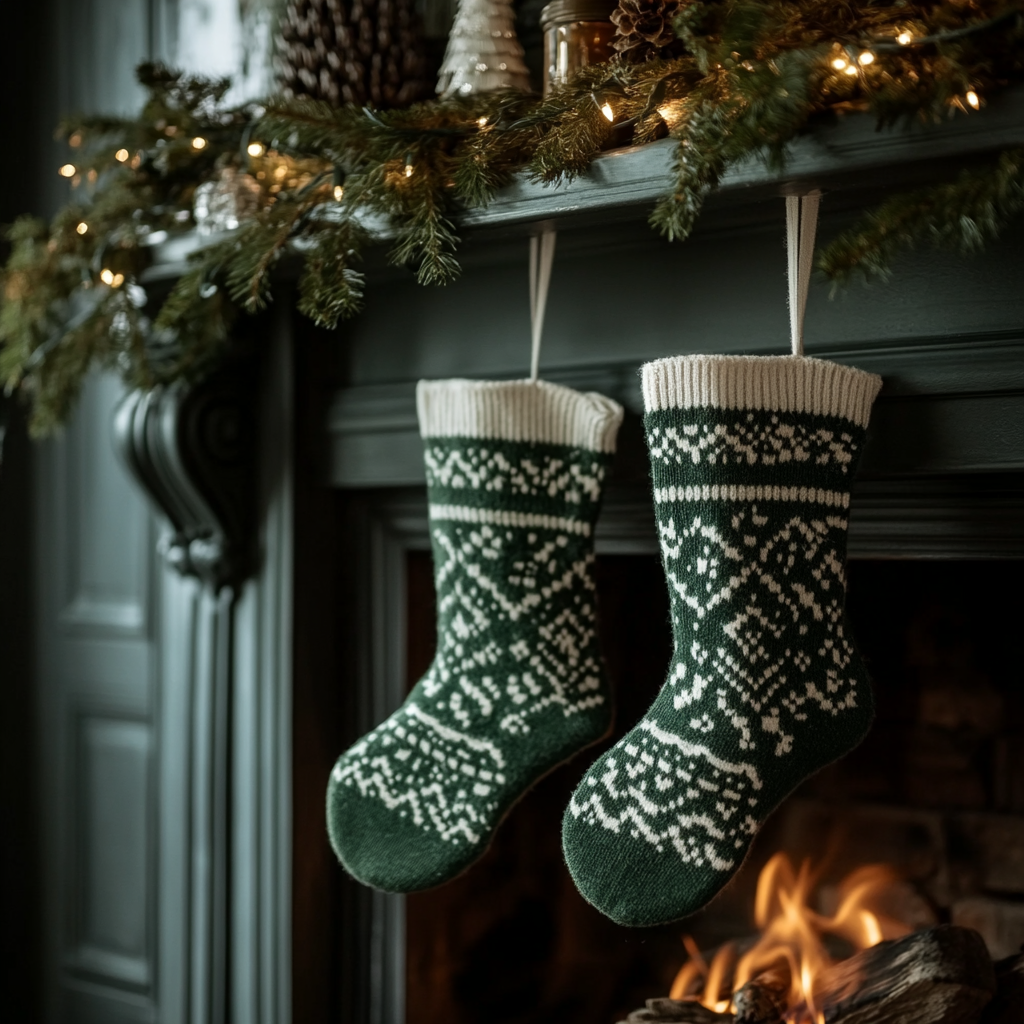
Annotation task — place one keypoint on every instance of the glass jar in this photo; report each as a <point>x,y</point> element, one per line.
<point>576,33</point>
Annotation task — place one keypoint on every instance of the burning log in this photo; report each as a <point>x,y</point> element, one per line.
<point>940,976</point>
<point>676,1011</point>
<point>764,999</point>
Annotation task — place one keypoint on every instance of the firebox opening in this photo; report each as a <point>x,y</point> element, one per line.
<point>935,793</point>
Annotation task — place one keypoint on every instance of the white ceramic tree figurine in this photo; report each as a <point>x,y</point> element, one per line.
<point>483,51</point>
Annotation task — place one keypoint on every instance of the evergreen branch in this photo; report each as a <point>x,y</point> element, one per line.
<point>192,328</point>
<point>963,214</point>
<point>330,289</point>
<point>258,247</point>
<point>427,239</point>
<point>400,131</point>
<point>314,124</point>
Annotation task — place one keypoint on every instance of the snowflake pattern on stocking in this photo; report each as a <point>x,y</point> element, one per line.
<point>517,668</point>
<point>758,591</point>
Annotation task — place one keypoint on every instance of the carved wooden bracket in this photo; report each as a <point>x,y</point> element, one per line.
<point>191,447</point>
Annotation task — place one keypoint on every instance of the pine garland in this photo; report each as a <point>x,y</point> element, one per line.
<point>751,76</point>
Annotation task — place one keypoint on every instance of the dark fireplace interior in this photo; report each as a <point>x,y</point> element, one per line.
<point>936,791</point>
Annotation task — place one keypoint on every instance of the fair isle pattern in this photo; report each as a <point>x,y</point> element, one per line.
<point>510,474</point>
<point>518,648</point>
<point>392,763</point>
<point>734,492</point>
<point>516,686</point>
<point>503,517</point>
<point>644,792</point>
<point>758,602</point>
<point>764,687</point>
<point>753,439</point>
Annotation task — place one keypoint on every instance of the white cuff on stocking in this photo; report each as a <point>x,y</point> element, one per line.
<point>518,410</point>
<point>776,383</point>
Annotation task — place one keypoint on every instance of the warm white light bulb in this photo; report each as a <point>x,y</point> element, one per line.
<point>117,280</point>
<point>606,109</point>
<point>408,170</point>
<point>973,100</point>
<point>107,276</point>
<point>481,122</point>
<point>338,192</point>
<point>82,227</point>
<point>867,57</point>
<point>254,149</point>
<point>904,38</point>
<point>850,69</point>
<point>199,142</point>
<point>839,63</point>
<point>121,155</point>
<point>68,171</point>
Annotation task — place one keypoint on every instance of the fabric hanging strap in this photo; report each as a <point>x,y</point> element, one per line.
<point>801,227</point>
<point>542,255</point>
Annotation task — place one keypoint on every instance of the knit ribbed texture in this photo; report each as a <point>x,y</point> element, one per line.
<point>517,685</point>
<point>777,383</point>
<point>751,470</point>
<point>518,410</point>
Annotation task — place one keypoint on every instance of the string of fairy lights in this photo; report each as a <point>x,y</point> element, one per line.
<point>846,59</point>
<point>282,172</point>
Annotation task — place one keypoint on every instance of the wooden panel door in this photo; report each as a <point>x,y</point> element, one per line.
<point>97,712</point>
<point>96,621</point>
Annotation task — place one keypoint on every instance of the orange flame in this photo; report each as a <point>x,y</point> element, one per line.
<point>790,944</point>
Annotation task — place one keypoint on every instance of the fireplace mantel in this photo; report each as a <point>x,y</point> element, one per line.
<point>946,334</point>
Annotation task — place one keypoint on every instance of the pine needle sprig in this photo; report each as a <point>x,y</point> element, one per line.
<point>260,244</point>
<point>426,237</point>
<point>330,287</point>
<point>963,215</point>
<point>191,330</point>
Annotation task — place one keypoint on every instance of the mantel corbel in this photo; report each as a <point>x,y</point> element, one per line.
<point>191,447</point>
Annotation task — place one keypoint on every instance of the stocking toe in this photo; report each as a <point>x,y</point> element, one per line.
<point>637,885</point>
<point>384,848</point>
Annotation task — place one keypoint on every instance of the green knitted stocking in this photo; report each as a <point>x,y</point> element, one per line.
<point>752,460</point>
<point>514,479</point>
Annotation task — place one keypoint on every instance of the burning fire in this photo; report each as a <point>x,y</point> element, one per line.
<point>790,953</point>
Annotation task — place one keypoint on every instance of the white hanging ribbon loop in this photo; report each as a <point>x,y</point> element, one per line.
<point>801,227</point>
<point>542,255</point>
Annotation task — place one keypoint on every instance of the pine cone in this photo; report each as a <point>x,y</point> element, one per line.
<point>361,52</point>
<point>643,28</point>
